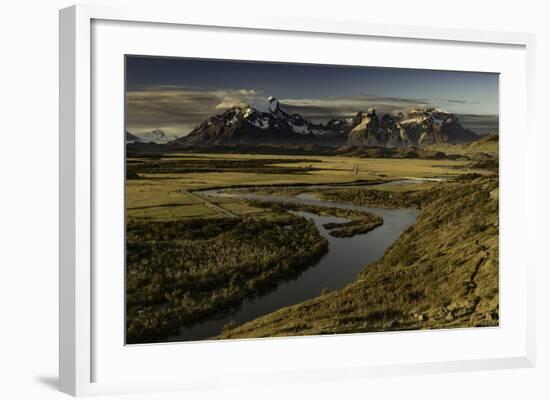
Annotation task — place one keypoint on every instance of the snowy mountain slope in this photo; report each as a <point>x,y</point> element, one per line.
<point>248,125</point>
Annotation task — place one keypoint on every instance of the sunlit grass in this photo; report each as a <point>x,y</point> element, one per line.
<point>166,191</point>
<point>173,212</point>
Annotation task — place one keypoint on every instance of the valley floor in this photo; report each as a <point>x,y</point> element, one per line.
<point>192,256</point>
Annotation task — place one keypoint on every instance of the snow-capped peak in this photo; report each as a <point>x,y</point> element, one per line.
<point>272,104</point>
<point>247,112</point>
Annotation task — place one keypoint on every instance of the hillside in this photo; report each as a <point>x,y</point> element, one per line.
<point>487,145</point>
<point>441,273</point>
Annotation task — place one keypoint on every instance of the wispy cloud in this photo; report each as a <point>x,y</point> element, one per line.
<point>178,108</point>
<point>339,107</point>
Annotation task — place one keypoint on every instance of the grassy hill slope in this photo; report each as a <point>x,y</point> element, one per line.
<point>487,145</point>
<point>441,273</point>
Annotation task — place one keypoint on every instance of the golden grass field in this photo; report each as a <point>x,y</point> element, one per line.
<point>164,196</point>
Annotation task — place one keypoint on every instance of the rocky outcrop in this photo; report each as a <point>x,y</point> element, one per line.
<point>369,130</point>
<point>429,126</point>
<point>366,130</point>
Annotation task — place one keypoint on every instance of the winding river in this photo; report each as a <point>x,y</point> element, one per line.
<point>345,258</point>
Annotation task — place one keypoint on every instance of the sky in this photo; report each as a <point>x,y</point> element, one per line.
<point>176,94</point>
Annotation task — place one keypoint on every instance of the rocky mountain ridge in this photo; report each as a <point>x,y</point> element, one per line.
<point>248,125</point>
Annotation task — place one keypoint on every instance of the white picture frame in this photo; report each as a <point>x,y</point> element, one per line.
<point>78,349</point>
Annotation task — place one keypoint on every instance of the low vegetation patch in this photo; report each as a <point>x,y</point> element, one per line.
<point>152,164</point>
<point>361,222</point>
<point>411,152</point>
<point>373,197</point>
<point>354,227</point>
<point>181,272</point>
<point>291,190</point>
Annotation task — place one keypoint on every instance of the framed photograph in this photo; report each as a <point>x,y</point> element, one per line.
<point>277,200</point>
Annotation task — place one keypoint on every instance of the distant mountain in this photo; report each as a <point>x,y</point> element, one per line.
<point>248,125</point>
<point>156,136</point>
<point>368,130</point>
<point>130,138</point>
<point>418,127</point>
<point>427,126</point>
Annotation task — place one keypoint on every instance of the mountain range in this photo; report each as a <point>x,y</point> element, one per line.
<point>248,125</point>
<point>156,136</point>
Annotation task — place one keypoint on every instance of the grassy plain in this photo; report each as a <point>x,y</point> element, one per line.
<point>163,195</point>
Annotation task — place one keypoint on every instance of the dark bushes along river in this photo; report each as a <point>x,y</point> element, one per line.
<point>180,272</point>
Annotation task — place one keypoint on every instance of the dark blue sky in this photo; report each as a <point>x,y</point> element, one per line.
<point>318,91</point>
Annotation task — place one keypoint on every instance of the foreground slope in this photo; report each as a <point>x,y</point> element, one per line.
<point>487,145</point>
<point>441,273</point>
